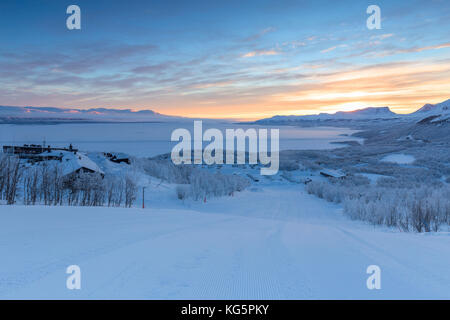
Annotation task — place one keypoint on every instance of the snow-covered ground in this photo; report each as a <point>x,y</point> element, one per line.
<point>399,158</point>
<point>373,177</point>
<point>273,241</point>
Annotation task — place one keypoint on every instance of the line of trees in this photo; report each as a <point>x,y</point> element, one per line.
<point>415,208</point>
<point>205,184</point>
<point>10,174</point>
<point>193,182</point>
<point>45,184</point>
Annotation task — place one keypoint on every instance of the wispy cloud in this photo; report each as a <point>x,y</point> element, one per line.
<point>435,47</point>
<point>267,59</point>
<point>260,53</point>
<point>403,86</point>
<point>294,44</point>
<point>383,36</point>
<point>415,49</point>
<point>259,34</point>
<point>333,48</point>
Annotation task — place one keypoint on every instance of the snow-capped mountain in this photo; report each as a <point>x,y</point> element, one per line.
<point>94,114</point>
<point>439,108</point>
<point>366,113</point>
<point>426,108</point>
<point>371,113</point>
<point>439,111</point>
<point>435,112</point>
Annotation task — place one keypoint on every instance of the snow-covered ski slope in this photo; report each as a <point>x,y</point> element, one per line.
<point>270,242</point>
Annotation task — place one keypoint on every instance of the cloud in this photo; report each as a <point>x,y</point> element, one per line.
<point>208,85</point>
<point>259,34</point>
<point>435,47</point>
<point>411,50</point>
<point>221,83</point>
<point>333,48</point>
<point>80,60</point>
<point>155,68</point>
<point>260,53</point>
<point>267,30</point>
<point>383,36</point>
<point>294,44</point>
<point>405,86</point>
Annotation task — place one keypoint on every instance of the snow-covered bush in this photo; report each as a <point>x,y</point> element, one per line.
<point>205,184</point>
<point>10,174</point>
<point>288,165</point>
<point>114,191</point>
<point>166,170</point>
<point>200,183</point>
<point>412,208</point>
<point>44,183</point>
<point>337,190</point>
<point>130,190</point>
<point>182,191</point>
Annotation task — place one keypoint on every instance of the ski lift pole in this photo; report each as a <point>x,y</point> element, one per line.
<point>143,197</point>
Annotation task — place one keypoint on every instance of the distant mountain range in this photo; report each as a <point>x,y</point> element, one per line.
<point>9,113</point>
<point>429,112</point>
<point>439,112</point>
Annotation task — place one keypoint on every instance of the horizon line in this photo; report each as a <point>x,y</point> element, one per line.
<point>241,117</point>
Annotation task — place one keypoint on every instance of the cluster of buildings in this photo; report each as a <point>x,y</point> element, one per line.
<point>34,152</point>
<point>72,161</point>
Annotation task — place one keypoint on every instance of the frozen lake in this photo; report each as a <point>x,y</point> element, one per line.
<point>150,139</point>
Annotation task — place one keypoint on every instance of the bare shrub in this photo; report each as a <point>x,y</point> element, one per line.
<point>420,209</point>
<point>182,191</point>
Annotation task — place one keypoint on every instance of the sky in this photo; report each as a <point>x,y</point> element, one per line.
<point>240,59</point>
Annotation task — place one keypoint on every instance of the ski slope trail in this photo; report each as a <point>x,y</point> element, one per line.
<point>271,242</point>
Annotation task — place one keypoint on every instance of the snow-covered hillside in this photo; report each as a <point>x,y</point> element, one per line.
<point>274,242</point>
<point>361,114</point>
<point>434,109</point>
<point>269,240</point>
<point>433,123</point>
<point>366,114</point>
<point>8,113</point>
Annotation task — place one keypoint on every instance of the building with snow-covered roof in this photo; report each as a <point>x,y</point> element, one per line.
<point>329,173</point>
<point>71,160</point>
<point>77,162</point>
